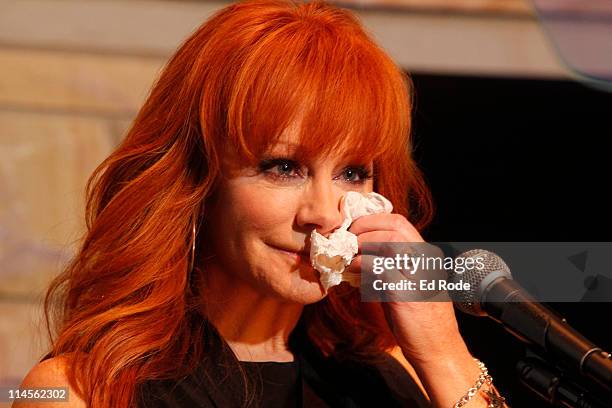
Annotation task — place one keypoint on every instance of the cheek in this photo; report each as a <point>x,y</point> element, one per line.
<point>256,208</point>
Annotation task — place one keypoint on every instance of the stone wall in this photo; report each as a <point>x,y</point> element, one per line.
<point>61,114</point>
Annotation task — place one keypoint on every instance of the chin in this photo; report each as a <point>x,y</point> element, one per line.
<point>314,296</point>
<point>307,298</point>
<point>304,289</point>
<point>296,280</point>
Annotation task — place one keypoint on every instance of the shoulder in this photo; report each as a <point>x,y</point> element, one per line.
<point>386,379</point>
<point>397,355</point>
<point>402,379</point>
<point>50,373</point>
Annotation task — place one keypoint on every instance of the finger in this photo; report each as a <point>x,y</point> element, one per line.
<point>355,265</point>
<point>381,236</point>
<point>385,222</point>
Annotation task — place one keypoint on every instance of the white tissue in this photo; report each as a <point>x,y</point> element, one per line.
<point>330,256</point>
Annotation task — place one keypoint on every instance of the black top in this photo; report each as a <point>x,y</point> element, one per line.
<point>310,381</point>
<point>281,383</point>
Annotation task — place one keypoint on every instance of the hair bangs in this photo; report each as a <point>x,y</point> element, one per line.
<point>330,83</point>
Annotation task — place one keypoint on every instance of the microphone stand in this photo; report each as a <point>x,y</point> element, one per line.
<point>556,387</point>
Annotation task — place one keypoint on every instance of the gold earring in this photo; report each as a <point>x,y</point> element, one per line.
<point>193,242</point>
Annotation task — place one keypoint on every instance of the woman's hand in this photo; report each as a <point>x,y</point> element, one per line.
<point>423,329</point>
<point>426,331</point>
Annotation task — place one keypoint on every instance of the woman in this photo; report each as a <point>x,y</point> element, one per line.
<point>193,285</point>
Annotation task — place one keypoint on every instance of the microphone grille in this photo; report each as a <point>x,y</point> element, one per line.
<point>489,266</point>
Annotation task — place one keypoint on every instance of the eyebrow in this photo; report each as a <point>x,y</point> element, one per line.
<point>286,144</point>
<point>345,156</point>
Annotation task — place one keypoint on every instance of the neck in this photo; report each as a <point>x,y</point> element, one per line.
<point>256,326</point>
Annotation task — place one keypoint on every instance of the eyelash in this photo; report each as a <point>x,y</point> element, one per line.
<point>266,165</point>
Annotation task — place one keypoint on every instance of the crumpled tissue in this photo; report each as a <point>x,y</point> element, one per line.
<point>330,256</point>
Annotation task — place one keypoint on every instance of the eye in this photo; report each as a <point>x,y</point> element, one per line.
<point>280,168</point>
<point>356,174</point>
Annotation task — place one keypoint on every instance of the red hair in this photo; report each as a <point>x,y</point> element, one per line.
<point>123,308</point>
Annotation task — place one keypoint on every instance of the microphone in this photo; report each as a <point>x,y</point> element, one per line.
<point>494,293</point>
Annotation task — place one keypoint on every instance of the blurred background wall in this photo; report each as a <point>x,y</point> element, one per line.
<point>74,73</point>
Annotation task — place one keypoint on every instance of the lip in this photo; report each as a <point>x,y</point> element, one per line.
<point>294,254</point>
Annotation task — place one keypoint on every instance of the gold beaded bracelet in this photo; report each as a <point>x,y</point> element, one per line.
<point>494,400</point>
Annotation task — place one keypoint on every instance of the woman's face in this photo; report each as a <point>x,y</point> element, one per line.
<point>259,221</point>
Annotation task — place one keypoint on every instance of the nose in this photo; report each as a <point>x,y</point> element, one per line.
<point>320,207</point>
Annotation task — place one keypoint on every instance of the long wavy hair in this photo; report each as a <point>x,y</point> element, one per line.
<point>124,308</point>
